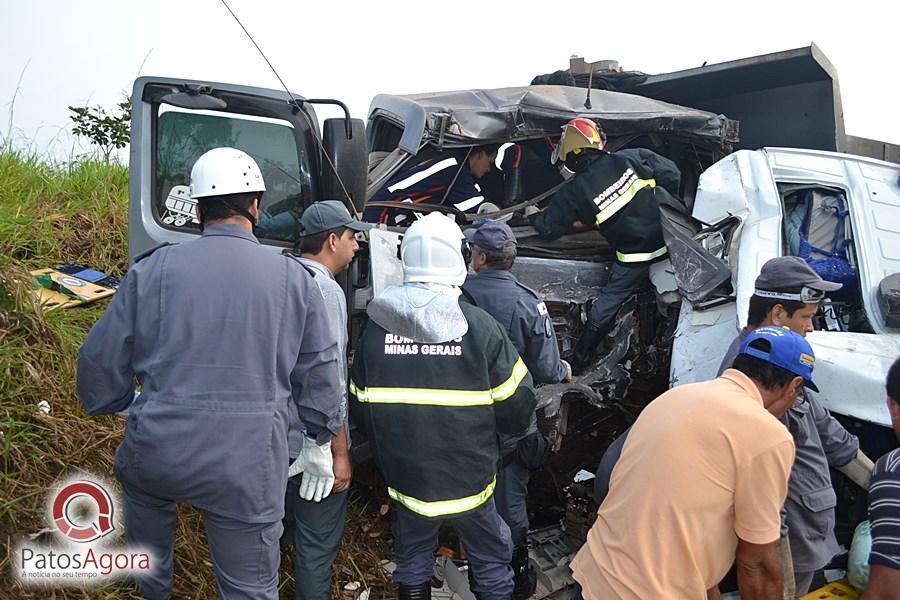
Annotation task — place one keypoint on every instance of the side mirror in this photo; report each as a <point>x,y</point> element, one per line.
<point>889,300</point>
<point>350,158</point>
<point>701,275</point>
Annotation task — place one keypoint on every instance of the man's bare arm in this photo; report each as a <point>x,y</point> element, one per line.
<point>343,471</point>
<point>759,574</point>
<point>884,584</point>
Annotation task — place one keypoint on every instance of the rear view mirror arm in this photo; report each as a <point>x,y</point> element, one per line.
<point>336,103</point>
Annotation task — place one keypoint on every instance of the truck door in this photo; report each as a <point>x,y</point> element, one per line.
<point>174,121</point>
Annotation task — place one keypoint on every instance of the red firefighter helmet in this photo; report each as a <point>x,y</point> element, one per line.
<point>578,134</point>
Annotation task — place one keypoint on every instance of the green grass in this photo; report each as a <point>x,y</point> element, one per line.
<point>78,213</point>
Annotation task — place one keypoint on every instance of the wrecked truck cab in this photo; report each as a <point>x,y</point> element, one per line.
<point>760,193</point>
<point>403,130</point>
<point>568,272</point>
<point>583,417</point>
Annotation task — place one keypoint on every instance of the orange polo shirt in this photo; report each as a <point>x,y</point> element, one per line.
<point>704,464</point>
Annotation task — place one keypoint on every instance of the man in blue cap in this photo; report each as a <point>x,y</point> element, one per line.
<point>527,322</point>
<point>327,246</point>
<point>708,464</point>
<point>788,293</point>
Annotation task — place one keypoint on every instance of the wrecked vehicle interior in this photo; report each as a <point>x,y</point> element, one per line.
<point>583,417</point>
<point>691,300</point>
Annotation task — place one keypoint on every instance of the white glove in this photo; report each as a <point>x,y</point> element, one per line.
<point>316,465</point>
<point>568,378</point>
<point>859,470</point>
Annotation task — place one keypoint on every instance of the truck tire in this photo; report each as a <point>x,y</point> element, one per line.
<point>350,159</point>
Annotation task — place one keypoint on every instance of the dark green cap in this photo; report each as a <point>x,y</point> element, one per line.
<point>329,214</point>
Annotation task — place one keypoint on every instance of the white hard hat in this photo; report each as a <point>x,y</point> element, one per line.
<point>431,251</point>
<point>222,171</point>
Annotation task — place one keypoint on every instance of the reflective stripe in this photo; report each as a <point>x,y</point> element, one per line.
<point>436,397</point>
<point>443,507</point>
<point>470,203</point>
<point>509,387</point>
<point>422,396</point>
<point>501,152</point>
<point>640,256</point>
<point>623,197</point>
<point>424,174</point>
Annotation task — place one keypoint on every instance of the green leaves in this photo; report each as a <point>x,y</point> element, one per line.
<point>107,131</point>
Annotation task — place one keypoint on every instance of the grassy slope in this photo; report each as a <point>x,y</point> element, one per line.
<point>48,216</point>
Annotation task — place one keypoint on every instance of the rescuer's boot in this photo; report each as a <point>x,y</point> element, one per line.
<point>524,575</point>
<point>415,592</point>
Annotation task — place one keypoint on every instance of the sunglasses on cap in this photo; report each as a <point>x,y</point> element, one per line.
<point>807,295</point>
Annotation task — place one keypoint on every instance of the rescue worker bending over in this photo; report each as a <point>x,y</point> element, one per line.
<point>434,382</point>
<point>327,247</point>
<point>700,482</point>
<point>618,193</point>
<point>525,319</point>
<point>222,335</point>
<point>788,294</point>
<point>449,179</point>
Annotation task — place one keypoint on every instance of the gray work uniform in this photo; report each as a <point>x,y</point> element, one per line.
<point>315,528</point>
<point>524,317</point>
<point>820,441</point>
<point>222,335</point>
<point>527,322</point>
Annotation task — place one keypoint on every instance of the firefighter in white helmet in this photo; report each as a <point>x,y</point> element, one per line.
<point>434,381</point>
<point>223,335</point>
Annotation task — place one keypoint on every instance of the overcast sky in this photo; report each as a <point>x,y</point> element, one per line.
<point>57,53</point>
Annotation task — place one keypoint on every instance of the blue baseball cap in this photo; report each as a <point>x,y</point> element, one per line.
<point>495,236</point>
<point>787,350</point>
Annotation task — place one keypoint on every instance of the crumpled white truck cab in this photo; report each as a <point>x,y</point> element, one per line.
<point>763,197</point>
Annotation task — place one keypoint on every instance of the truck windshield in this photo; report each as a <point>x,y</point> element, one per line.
<point>183,135</point>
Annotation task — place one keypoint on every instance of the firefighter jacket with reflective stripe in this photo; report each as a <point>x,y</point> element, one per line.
<point>427,183</point>
<point>432,412</point>
<point>620,193</point>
